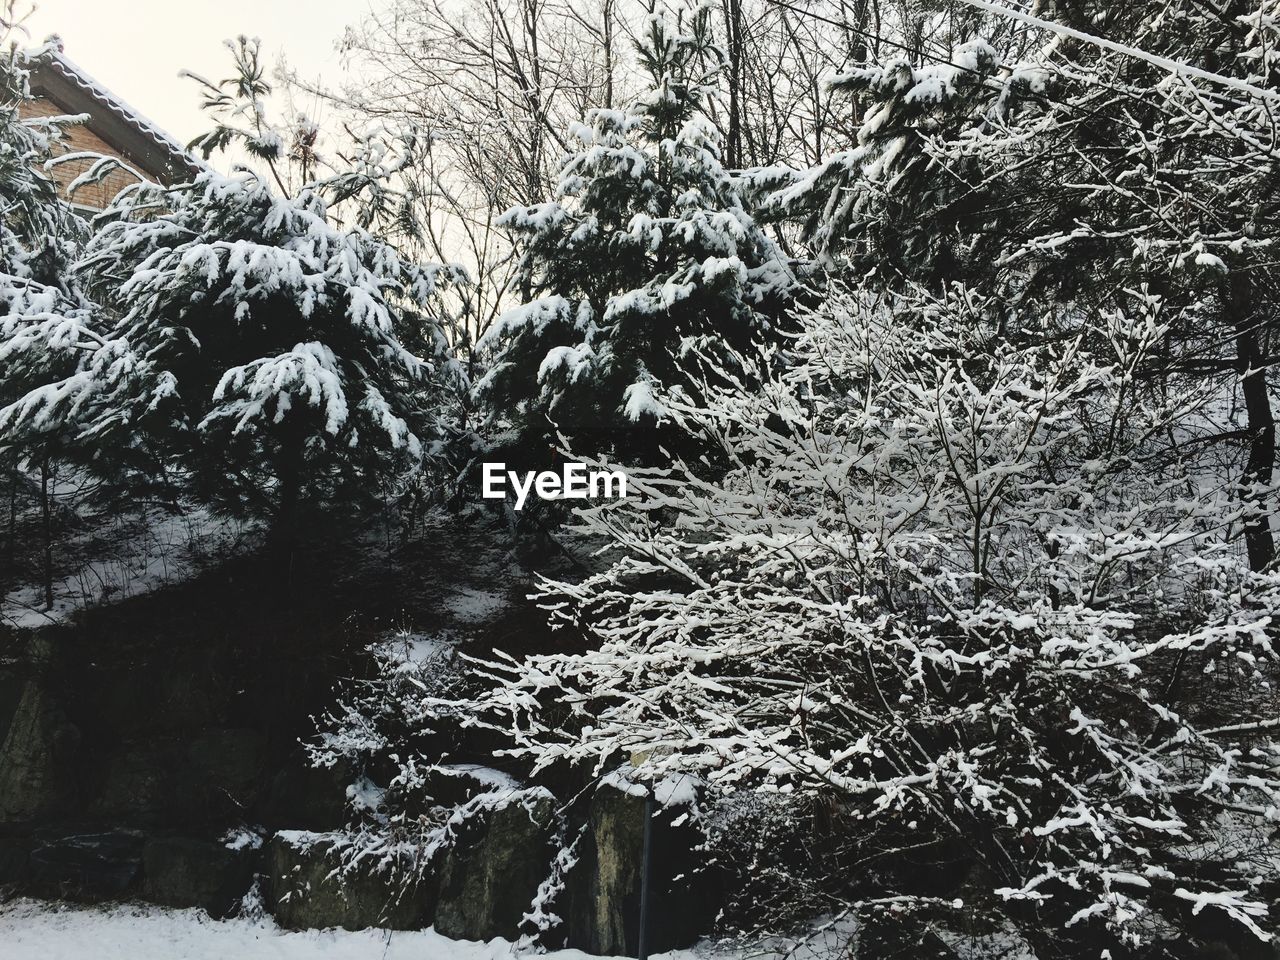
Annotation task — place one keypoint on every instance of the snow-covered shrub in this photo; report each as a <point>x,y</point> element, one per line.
<point>774,856</point>
<point>982,597</point>
<point>415,676</point>
<point>410,800</point>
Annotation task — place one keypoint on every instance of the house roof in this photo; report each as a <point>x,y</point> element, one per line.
<point>139,140</point>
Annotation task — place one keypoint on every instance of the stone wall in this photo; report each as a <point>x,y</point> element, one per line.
<point>124,761</point>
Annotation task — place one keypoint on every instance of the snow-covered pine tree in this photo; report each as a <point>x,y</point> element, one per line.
<point>363,184</point>
<point>46,324</point>
<point>269,370</point>
<point>891,204</point>
<point>39,234</point>
<point>646,248</point>
<point>261,359</point>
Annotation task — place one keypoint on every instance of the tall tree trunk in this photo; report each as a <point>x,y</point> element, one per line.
<point>1260,465</point>
<point>12,546</point>
<point>46,515</point>
<point>733,33</point>
<point>607,37</point>
<point>285,528</point>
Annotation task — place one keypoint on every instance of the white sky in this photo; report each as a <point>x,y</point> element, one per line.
<point>136,48</point>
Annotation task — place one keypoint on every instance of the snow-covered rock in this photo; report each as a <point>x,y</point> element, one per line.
<point>310,885</point>
<point>489,881</point>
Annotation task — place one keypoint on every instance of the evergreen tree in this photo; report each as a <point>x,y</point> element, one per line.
<point>45,321</point>
<point>647,249</point>
<point>259,358</point>
<point>39,234</point>
<point>888,203</point>
<point>269,368</point>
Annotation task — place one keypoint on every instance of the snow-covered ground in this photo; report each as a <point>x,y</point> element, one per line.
<point>471,606</point>
<point>125,559</point>
<point>32,930</point>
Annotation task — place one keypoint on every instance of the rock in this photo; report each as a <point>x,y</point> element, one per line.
<point>602,890</point>
<point>489,878</point>
<point>168,782</point>
<point>144,781</point>
<point>302,890</point>
<point>37,758</point>
<point>173,688</point>
<point>89,867</point>
<point>305,797</point>
<point>13,683</point>
<point>186,872</point>
<point>15,852</point>
<point>225,768</point>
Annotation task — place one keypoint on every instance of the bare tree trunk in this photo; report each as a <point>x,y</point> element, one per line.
<point>733,36</point>
<point>607,37</point>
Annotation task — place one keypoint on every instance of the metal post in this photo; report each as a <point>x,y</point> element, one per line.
<point>650,808</point>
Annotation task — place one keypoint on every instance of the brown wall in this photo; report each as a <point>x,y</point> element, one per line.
<point>77,138</point>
